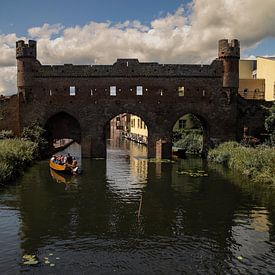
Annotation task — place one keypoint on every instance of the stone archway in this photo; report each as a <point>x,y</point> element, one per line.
<point>63,125</point>
<point>121,124</point>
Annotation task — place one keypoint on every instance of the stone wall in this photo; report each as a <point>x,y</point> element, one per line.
<point>168,92</point>
<point>9,113</point>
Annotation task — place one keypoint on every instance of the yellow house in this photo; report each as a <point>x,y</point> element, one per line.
<point>266,70</point>
<point>257,78</point>
<point>138,129</point>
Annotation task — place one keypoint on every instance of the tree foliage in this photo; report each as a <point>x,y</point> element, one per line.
<point>36,133</point>
<point>270,123</point>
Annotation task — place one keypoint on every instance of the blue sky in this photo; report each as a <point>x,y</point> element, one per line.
<point>100,31</point>
<point>18,16</point>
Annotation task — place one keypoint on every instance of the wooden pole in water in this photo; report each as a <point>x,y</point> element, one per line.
<point>139,209</point>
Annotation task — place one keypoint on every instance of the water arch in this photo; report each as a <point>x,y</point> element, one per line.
<point>63,126</point>
<point>131,125</point>
<point>190,127</point>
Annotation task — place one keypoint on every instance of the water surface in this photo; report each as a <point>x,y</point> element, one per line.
<point>130,215</point>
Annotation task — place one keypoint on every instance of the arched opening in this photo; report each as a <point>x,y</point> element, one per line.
<point>62,130</point>
<point>189,135</point>
<point>129,132</point>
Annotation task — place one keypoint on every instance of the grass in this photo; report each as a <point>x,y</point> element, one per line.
<point>15,156</point>
<point>256,163</point>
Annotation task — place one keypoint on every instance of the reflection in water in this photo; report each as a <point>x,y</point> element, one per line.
<point>182,224</point>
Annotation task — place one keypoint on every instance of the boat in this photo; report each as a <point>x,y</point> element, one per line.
<point>60,168</point>
<point>60,178</point>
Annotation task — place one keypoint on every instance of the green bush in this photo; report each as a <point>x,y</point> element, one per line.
<point>191,141</point>
<point>270,124</point>
<point>4,134</point>
<point>257,163</point>
<point>35,133</point>
<point>15,156</point>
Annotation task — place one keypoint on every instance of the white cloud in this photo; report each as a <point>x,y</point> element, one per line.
<point>46,31</point>
<point>8,80</point>
<point>189,35</point>
<point>7,44</point>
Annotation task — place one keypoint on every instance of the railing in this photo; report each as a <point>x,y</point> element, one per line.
<point>258,95</point>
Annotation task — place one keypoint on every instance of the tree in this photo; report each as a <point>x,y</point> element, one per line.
<point>270,123</point>
<point>35,133</point>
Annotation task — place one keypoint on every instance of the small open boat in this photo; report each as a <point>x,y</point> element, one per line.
<point>60,168</point>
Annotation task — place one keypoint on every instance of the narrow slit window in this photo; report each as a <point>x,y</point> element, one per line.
<point>203,93</point>
<point>112,90</point>
<point>139,90</point>
<point>92,92</point>
<point>50,92</point>
<point>182,123</point>
<point>181,91</point>
<point>72,90</point>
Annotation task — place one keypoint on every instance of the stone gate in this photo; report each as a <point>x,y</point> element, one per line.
<point>78,101</point>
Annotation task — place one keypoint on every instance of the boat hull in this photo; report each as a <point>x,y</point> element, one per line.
<point>60,168</point>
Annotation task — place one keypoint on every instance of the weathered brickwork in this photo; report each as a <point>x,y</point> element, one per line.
<point>210,92</point>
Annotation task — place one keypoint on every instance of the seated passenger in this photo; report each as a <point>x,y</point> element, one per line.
<point>74,166</point>
<point>69,159</point>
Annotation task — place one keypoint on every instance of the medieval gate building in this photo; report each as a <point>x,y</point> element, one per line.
<point>78,101</point>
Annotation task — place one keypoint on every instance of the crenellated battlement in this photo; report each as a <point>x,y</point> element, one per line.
<point>229,49</point>
<point>24,50</point>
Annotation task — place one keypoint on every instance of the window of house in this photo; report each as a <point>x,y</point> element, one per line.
<point>139,90</point>
<point>50,92</point>
<point>112,90</point>
<point>72,90</point>
<point>182,123</point>
<point>181,91</point>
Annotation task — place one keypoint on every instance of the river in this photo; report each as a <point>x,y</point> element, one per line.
<point>131,215</point>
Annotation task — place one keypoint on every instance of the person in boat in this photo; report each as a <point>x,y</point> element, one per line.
<point>53,158</point>
<point>71,163</point>
<point>69,159</point>
<point>74,166</point>
<point>62,160</point>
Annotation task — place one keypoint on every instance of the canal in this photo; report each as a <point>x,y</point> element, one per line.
<point>131,215</point>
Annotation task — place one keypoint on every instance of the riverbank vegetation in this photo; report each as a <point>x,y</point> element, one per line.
<point>16,154</point>
<point>257,163</point>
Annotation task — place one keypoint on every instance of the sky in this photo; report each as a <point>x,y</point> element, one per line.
<point>100,31</point>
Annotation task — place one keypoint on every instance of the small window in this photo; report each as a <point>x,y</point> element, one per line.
<point>92,92</point>
<point>72,90</point>
<point>203,92</point>
<point>50,92</point>
<point>182,123</point>
<point>112,90</point>
<point>181,91</point>
<point>139,90</point>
